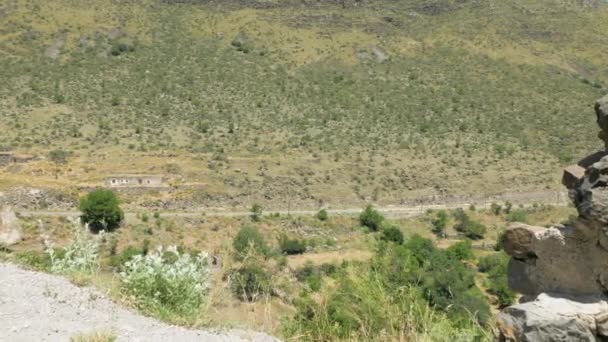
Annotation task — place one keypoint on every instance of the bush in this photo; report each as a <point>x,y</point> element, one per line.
<point>489,262</point>
<point>392,234</point>
<point>59,156</point>
<point>322,215</point>
<point>439,223</point>
<point>249,282</point>
<point>256,212</point>
<point>291,246</point>
<point>495,208</point>
<point>80,256</point>
<point>100,209</point>
<point>518,215</point>
<point>249,240</point>
<point>495,266</point>
<point>371,218</point>
<point>462,250</point>
<point>126,255</point>
<point>471,229</point>
<point>167,283</point>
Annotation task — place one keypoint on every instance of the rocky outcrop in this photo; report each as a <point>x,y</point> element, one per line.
<point>562,271</point>
<point>10,229</point>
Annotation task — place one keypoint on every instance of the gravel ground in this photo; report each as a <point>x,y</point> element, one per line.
<point>42,307</point>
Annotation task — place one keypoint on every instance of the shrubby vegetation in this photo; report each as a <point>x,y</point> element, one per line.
<point>495,266</point>
<point>371,218</point>
<point>394,295</point>
<point>470,228</point>
<point>80,256</point>
<point>249,239</point>
<point>101,211</point>
<point>168,283</point>
<point>291,246</point>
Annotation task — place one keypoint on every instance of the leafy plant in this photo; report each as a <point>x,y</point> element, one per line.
<point>392,234</point>
<point>249,238</point>
<point>101,210</point>
<point>322,215</point>
<point>167,283</point>
<point>371,218</point>
<point>80,256</point>
<point>291,246</point>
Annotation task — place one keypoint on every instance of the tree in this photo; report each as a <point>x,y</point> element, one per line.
<point>101,210</point>
<point>371,218</point>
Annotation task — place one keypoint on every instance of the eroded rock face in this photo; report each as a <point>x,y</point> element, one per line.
<point>570,262</point>
<point>10,229</point>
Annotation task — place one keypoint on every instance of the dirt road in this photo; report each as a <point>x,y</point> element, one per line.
<point>396,211</point>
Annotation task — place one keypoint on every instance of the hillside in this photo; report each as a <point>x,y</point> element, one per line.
<point>261,101</point>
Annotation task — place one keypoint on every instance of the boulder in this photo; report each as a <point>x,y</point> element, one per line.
<point>10,229</point>
<point>573,176</point>
<point>554,318</point>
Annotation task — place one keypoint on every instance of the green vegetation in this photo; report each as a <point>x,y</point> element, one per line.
<point>371,218</point>
<point>483,103</point>
<point>392,233</point>
<point>291,246</point>
<point>167,283</point>
<point>249,240</point>
<point>374,299</point>
<point>440,223</point>
<point>470,228</point>
<point>495,266</point>
<point>101,211</point>
<point>322,215</point>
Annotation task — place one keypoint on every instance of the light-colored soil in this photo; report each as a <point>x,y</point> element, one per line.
<point>42,307</point>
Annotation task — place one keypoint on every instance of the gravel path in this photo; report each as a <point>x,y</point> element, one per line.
<point>42,307</point>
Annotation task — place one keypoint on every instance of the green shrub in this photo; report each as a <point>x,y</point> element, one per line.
<point>471,229</point>
<point>249,240</point>
<point>80,256</point>
<point>100,209</point>
<point>168,283</point>
<point>462,250</point>
<point>120,259</point>
<point>489,262</point>
<point>250,282</point>
<point>371,218</point>
<point>495,266</point>
<point>59,156</point>
<point>495,208</point>
<point>291,246</point>
<point>256,212</point>
<point>392,234</point>
<point>439,223</point>
<point>322,215</point>
<point>518,215</point>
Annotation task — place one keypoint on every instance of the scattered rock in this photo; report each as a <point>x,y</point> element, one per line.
<point>242,42</point>
<point>10,229</point>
